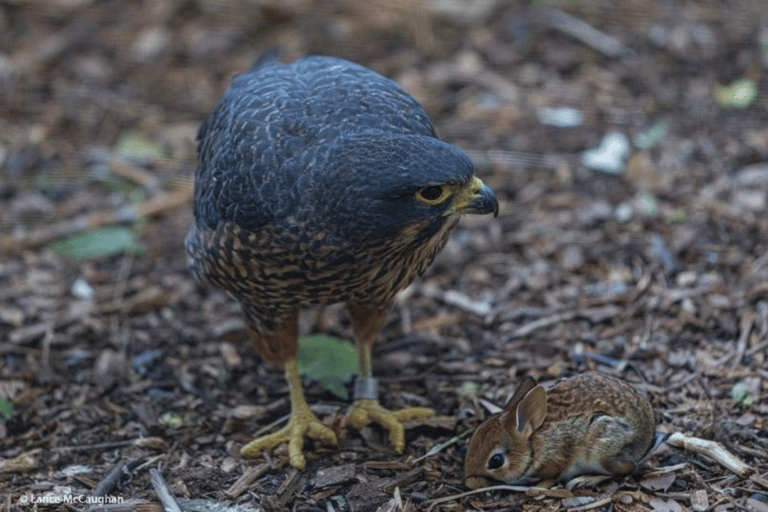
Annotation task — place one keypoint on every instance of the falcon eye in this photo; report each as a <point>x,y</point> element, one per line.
<point>432,195</point>
<point>496,461</point>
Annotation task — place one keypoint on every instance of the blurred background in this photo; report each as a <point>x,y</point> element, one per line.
<point>626,140</point>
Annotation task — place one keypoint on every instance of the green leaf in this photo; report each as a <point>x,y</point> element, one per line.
<point>648,205</point>
<point>739,94</point>
<point>139,149</point>
<point>740,394</point>
<point>678,216</point>
<point>98,243</point>
<point>469,389</point>
<point>171,419</point>
<point>652,135</point>
<point>6,409</point>
<point>330,361</point>
<point>132,191</point>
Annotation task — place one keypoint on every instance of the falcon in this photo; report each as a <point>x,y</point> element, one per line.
<point>319,182</point>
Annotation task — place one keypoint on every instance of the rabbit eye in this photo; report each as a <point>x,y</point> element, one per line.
<point>496,461</point>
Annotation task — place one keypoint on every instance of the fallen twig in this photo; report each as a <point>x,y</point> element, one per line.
<point>587,34</point>
<point>595,315</point>
<point>163,492</point>
<point>712,450</point>
<point>441,446</point>
<point>759,480</point>
<point>161,203</point>
<point>247,478</point>
<point>127,170</point>
<point>129,505</point>
<point>539,323</point>
<point>108,483</point>
<point>26,461</point>
<point>156,443</point>
<point>481,308</point>
<point>395,504</point>
<point>499,84</point>
<point>287,490</point>
<point>747,321</point>
<point>529,491</point>
<point>605,500</point>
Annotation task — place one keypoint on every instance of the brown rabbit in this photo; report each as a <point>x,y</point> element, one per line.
<point>590,424</point>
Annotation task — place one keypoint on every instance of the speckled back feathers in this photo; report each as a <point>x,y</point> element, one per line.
<point>304,189</point>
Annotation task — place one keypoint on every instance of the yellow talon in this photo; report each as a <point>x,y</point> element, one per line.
<point>302,423</point>
<point>366,411</point>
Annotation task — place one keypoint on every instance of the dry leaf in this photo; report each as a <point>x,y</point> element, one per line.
<point>664,505</point>
<point>658,483</point>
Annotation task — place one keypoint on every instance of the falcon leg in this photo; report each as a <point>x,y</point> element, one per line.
<point>366,322</point>
<point>302,422</point>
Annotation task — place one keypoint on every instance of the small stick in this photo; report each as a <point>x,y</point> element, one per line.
<point>530,491</point>
<point>242,483</point>
<point>759,480</point>
<point>605,500</point>
<point>110,481</point>
<point>526,329</point>
<point>741,344</point>
<point>288,488</point>
<point>712,450</point>
<point>164,494</point>
<point>163,202</point>
<point>124,168</point>
<point>140,442</point>
<point>484,78</point>
<point>441,446</point>
<point>588,34</point>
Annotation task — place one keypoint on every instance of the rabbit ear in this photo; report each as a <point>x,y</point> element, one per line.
<point>528,384</point>
<point>511,418</point>
<point>531,410</point>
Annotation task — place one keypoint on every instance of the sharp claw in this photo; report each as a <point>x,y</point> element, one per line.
<point>301,424</point>
<point>366,411</point>
<point>295,445</point>
<point>413,413</point>
<point>294,453</point>
<point>397,437</point>
<point>263,444</point>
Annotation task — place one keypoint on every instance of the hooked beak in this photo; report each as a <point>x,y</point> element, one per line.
<point>476,198</point>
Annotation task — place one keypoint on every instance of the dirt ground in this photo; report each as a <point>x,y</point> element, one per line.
<point>653,268</point>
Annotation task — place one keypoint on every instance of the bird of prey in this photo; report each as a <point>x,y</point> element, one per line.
<point>319,182</point>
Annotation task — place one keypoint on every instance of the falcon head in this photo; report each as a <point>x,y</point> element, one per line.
<point>378,185</point>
